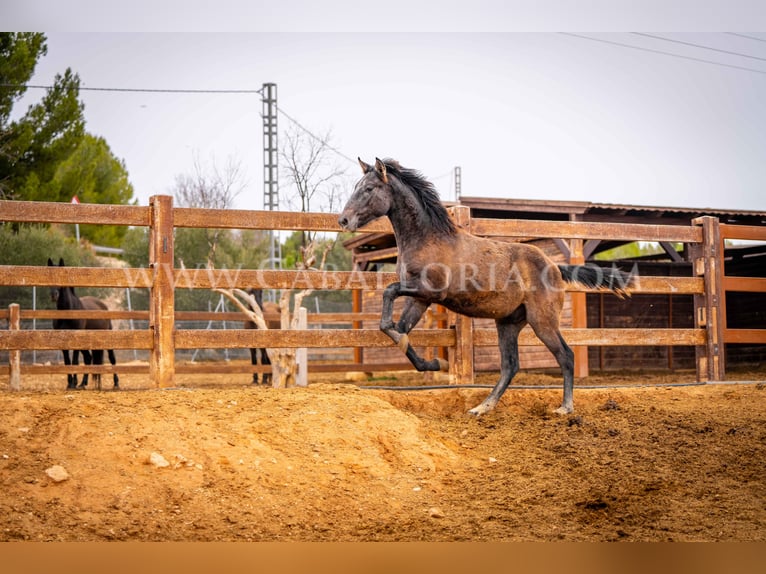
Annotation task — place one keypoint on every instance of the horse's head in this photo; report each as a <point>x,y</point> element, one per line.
<point>371,198</point>
<point>57,292</point>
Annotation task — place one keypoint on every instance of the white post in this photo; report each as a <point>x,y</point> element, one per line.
<point>302,354</point>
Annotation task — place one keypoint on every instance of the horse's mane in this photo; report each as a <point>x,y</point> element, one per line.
<point>426,193</point>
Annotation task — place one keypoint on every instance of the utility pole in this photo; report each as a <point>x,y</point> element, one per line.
<point>458,183</point>
<point>271,165</point>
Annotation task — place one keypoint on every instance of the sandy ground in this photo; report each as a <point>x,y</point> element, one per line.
<point>217,459</point>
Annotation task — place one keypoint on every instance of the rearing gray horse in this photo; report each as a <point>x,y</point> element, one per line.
<point>513,283</point>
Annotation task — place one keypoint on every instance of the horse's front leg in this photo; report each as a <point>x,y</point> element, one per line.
<point>399,334</point>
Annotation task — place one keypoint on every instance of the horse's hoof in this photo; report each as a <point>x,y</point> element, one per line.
<point>476,412</point>
<point>562,410</point>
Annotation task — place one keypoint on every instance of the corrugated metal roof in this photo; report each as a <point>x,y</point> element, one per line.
<point>542,206</point>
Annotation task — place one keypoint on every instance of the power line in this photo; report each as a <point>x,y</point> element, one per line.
<point>317,138</point>
<point>698,46</point>
<point>141,90</point>
<point>663,53</point>
<point>745,36</point>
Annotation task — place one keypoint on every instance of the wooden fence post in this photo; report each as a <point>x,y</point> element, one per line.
<point>707,262</point>
<point>579,311</point>
<point>14,356</point>
<point>162,303</point>
<point>462,361</point>
<point>302,353</point>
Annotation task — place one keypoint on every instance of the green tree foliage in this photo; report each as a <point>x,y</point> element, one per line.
<point>18,56</point>
<point>94,175</point>
<point>46,155</point>
<point>42,139</point>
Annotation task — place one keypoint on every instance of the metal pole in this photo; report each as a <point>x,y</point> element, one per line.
<point>270,162</point>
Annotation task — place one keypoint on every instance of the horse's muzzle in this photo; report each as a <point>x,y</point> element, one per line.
<point>346,223</point>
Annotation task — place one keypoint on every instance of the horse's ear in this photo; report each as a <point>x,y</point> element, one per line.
<point>380,167</point>
<point>50,263</point>
<point>61,261</point>
<point>366,168</point>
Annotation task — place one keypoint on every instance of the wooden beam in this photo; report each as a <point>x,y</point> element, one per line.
<point>589,247</point>
<point>74,276</point>
<point>92,213</point>
<point>311,338</point>
<point>50,339</point>
<point>707,262</point>
<point>605,337</point>
<point>668,248</point>
<point>755,336</point>
<point>461,359</point>
<point>584,230</point>
<point>162,300</point>
<point>282,221</point>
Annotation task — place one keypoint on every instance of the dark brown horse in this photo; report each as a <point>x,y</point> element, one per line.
<point>66,299</point>
<point>513,283</point>
<point>269,308</point>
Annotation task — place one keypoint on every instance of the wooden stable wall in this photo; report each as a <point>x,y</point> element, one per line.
<point>460,336</point>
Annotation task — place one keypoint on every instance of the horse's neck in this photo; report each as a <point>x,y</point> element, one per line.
<point>412,226</point>
<point>68,300</point>
<point>409,221</point>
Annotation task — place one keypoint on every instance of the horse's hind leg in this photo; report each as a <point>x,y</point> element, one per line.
<point>548,333</point>
<point>98,359</point>
<point>508,330</point>
<point>266,377</point>
<point>413,310</point>
<point>87,359</point>
<point>113,361</point>
<point>254,362</point>
<point>71,378</point>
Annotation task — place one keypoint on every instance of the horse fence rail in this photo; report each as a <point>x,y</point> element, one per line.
<point>163,337</point>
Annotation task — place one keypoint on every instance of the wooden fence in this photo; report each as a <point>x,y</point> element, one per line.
<point>162,338</point>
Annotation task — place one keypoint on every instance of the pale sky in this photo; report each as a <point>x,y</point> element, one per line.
<point>526,115</point>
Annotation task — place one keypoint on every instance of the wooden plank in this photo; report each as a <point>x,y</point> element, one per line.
<point>14,356</point>
<point>461,356</point>
<point>745,284</point>
<point>265,278</point>
<point>354,367</point>
<point>605,337</point>
<point>276,279</point>
<point>579,311</point>
<point>49,339</point>
<point>122,369</point>
<point>162,300</point>
<point>746,232</point>
<point>582,230</point>
<point>295,338</point>
<point>755,336</point>
<point>268,220</point>
<point>74,276</point>
<point>218,367</point>
<point>667,285</point>
<point>111,314</point>
<point>54,212</point>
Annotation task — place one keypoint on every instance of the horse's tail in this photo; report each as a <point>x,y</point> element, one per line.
<point>597,277</point>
